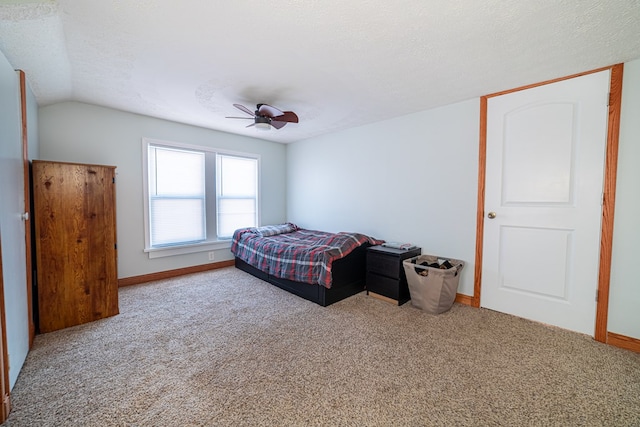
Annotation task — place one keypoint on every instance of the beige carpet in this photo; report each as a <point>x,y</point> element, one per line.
<point>225,349</point>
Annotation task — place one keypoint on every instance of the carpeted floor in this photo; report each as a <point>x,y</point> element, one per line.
<point>222,348</point>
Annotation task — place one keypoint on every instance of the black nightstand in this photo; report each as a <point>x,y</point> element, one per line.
<point>385,274</point>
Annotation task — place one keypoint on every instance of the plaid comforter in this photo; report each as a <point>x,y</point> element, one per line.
<point>300,255</point>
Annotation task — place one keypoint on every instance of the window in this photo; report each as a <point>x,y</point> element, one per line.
<point>196,197</point>
<point>176,196</point>
<point>236,193</point>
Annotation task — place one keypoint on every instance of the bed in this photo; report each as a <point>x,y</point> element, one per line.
<point>315,265</point>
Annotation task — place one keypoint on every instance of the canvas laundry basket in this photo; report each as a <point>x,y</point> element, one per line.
<point>433,289</point>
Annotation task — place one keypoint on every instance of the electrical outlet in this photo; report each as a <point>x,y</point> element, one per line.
<point>211,256</point>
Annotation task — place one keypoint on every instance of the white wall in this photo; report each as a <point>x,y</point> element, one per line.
<point>11,225</point>
<point>76,132</point>
<point>412,178</point>
<point>624,302</point>
<point>32,124</point>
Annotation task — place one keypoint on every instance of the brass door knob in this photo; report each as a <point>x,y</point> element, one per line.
<point>491,215</point>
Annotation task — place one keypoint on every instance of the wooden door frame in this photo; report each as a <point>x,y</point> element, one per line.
<point>5,389</point>
<point>27,204</point>
<point>608,202</point>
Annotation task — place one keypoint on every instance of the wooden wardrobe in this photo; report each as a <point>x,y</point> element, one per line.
<point>75,234</point>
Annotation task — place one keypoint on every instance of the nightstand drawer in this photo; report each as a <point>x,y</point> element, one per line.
<point>383,286</point>
<point>385,273</point>
<point>384,264</point>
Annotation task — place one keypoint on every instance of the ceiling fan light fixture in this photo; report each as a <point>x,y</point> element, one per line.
<point>263,123</point>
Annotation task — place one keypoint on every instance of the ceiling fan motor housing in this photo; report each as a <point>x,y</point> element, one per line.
<point>263,119</point>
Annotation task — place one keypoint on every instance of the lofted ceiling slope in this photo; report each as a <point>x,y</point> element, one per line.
<point>337,64</point>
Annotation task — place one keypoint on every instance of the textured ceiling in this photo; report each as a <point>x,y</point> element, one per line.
<point>336,63</point>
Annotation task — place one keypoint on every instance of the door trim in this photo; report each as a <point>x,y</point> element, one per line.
<point>5,390</point>
<point>27,204</point>
<point>608,203</point>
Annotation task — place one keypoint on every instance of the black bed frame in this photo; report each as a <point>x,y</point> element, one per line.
<point>348,278</point>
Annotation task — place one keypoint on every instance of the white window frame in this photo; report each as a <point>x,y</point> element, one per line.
<point>189,248</point>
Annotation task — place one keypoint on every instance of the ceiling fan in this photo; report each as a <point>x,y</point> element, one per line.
<point>266,116</point>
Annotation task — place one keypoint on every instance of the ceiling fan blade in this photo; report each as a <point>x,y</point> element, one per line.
<point>244,118</point>
<point>278,124</point>
<point>269,111</point>
<point>252,124</point>
<point>245,109</point>
<point>288,116</point>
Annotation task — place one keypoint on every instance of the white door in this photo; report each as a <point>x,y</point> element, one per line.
<point>543,195</point>
<point>12,232</point>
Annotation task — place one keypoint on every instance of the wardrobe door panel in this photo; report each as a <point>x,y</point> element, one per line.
<point>76,261</point>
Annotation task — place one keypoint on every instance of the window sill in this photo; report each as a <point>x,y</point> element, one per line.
<point>188,249</point>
